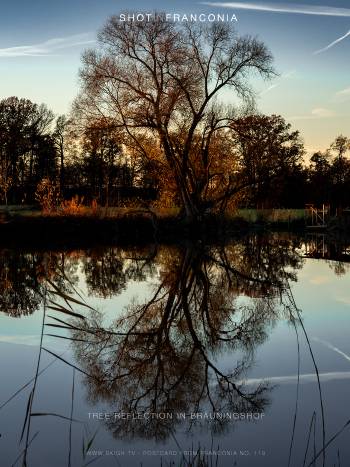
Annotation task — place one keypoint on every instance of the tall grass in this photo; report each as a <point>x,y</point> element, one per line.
<point>271,215</point>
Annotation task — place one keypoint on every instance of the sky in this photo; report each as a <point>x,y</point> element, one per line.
<point>41,44</point>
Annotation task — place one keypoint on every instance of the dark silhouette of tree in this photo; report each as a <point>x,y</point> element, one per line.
<point>104,167</point>
<point>320,180</point>
<point>24,143</point>
<point>158,81</point>
<point>269,153</point>
<point>60,136</point>
<point>340,146</point>
<point>340,172</point>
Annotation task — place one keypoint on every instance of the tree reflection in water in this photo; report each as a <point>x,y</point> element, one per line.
<point>108,270</point>
<point>163,356</point>
<point>186,349</point>
<point>23,276</point>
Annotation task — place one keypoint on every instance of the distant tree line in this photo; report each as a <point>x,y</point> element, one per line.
<point>34,146</point>
<point>92,161</point>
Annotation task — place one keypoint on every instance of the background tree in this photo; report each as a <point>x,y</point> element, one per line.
<point>269,154</point>
<point>340,171</point>
<point>320,186</point>
<point>340,146</point>
<point>60,136</point>
<point>105,167</point>
<point>24,138</point>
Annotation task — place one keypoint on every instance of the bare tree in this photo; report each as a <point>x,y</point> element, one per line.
<point>163,81</point>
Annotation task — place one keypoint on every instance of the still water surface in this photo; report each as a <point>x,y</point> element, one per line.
<point>236,354</point>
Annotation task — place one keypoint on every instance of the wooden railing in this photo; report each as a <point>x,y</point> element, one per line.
<point>317,217</point>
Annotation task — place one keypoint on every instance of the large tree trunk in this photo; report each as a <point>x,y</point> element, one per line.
<point>190,211</point>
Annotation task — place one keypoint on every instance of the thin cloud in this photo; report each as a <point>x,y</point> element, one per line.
<point>270,88</point>
<point>343,93</point>
<point>345,300</point>
<point>287,75</point>
<point>316,10</point>
<point>48,47</point>
<point>321,112</point>
<point>332,44</point>
<point>316,113</point>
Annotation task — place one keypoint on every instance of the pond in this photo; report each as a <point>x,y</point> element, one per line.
<point>181,355</point>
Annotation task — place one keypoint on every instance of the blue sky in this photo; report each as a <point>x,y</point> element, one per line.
<point>41,43</point>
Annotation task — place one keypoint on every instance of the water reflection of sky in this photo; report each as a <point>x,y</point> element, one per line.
<point>324,299</point>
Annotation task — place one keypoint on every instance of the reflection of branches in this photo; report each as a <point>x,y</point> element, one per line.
<point>162,356</point>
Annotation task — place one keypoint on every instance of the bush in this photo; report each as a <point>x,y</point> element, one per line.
<point>73,207</point>
<point>48,195</point>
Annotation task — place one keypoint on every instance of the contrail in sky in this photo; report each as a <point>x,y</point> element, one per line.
<point>48,47</point>
<point>316,10</point>
<point>332,44</point>
<point>286,75</point>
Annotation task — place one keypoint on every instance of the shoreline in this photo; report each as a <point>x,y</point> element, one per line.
<point>131,228</point>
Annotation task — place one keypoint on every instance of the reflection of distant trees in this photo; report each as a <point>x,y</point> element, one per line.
<point>108,270</point>
<point>330,247</point>
<point>339,268</point>
<point>104,273</point>
<point>259,260</point>
<point>161,356</point>
<point>23,276</point>
<point>338,253</point>
<point>20,288</point>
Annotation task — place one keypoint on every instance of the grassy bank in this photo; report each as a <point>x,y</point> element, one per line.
<point>272,216</point>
